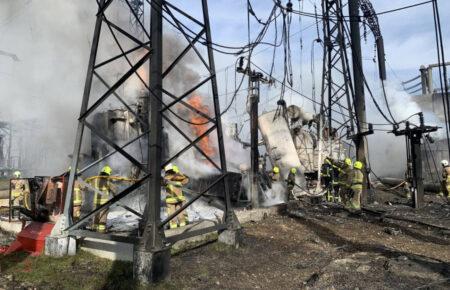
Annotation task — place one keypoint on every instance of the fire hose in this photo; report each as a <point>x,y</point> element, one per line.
<point>308,193</point>
<point>86,183</point>
<point>117,178</point>
<point>429,187</point>
<point>397,186</point>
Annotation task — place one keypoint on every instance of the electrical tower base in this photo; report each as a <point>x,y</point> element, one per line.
<point>151,266</point>
<point>59,246</point>
<point>231,237</point>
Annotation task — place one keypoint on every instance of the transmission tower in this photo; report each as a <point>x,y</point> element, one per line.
<point>343,100</point>
<point>137,14</point>
<point>151,255</point>
<point>337,91</point>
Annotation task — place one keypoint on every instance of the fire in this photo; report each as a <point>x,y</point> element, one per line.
<point>143,72</point>
<point>198,130</point>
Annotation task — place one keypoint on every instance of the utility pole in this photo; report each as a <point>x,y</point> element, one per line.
<point>253,94</point>
<point>255,79</point>
<point>414,137</point>
<point>359,101</point>
<point>152,258</point>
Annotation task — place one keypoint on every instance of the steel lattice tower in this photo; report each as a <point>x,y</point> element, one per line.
<point>151,249</point>
<point>337,91</point>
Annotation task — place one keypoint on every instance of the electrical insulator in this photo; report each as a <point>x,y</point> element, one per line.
<point>289,6</point>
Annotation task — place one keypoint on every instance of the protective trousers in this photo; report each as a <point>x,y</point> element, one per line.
<point>447,188</point>
<point>101,217</point>
<point>180,219</point>
<point>356,189</point>
<point>77,202</point>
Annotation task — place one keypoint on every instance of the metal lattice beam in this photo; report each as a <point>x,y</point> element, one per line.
<point>337,84</point>
<point>148,44</point>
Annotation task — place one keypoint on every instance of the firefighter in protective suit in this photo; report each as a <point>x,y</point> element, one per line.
<point>20,191</point>
<point>326,176</point>
<point>357,178</point>
<point>290,183</point>
<point>174,181</point>
<point>445,182</point>
<point>77,197</point>
<point>345,180</point>
<point>103,185</point>
<point>275,174</point>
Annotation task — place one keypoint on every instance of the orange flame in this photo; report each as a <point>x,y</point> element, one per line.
<point>205,143</point>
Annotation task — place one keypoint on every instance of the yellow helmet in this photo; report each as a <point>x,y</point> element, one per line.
<point>106,169</point>
<point>168,167</point>
<point>276,169</point>
<point>176,169</point>
<point>358,165</point>
<point>17,174</point>
<point>348,161</point>
<point>293,170</point>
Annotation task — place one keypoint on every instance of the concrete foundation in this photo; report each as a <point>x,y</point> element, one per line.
<point>11,227</point>
<point>255,215</point>
<point>59,246</point>
<point>151,266</point>
<point>111,250</point>
<point>231,237</point>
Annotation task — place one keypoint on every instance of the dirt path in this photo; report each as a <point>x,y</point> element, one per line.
<point>318,251</point>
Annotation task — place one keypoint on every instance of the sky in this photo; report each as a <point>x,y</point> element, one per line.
<point>44,50</point>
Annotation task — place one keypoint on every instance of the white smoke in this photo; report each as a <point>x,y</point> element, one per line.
<point>275,195</point>
<point>42,85</point>
<point>387,151</point>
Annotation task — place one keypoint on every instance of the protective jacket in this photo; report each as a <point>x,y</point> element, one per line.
<point>345,176</point>
<point>174,187</point>
<point>446,174</point>
<point>357,180</point>
<point>275,176</point>
<point>104,186</point>
<point>290,181</point>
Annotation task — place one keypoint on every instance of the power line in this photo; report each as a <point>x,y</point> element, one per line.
<point>441,60</point>
<point>312,100</point>
<point>403,8</point>
<point>312,15</point>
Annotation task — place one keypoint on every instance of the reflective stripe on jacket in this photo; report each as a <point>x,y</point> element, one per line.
<point>357,179</point>
<point>446,174</point>
<point>345,177</point>
<point>174,187</point>
<point>77,197</point>
<point>102,184</point>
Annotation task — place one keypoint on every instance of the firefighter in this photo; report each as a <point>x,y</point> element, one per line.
<point>77,196</point>
<point>17,174</point>
<point>103,187</point>
<point>275,174</point>
<point>326,173</point>
<point>174,181</point>
<point>335,172</point>
<point>20,191</point>
<point>290,182</point>
<point>445,183</point>
<point>357,178</point>
<point>344,180</point>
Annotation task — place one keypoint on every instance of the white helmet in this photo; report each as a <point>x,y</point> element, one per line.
<point>444,163</point>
